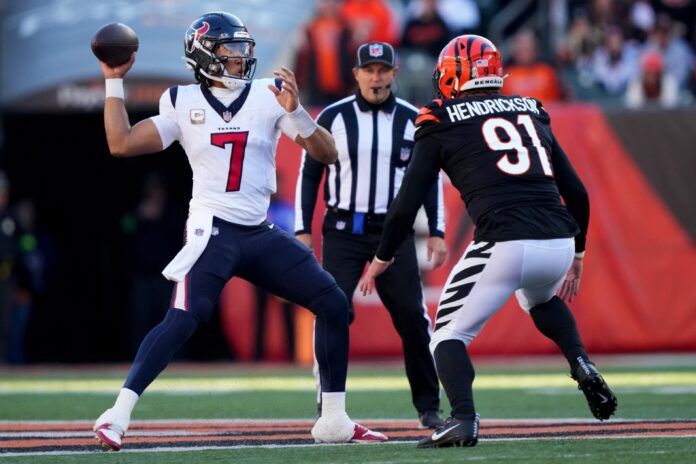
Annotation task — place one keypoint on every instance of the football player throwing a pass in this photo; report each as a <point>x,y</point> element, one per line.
<point>229,127</point>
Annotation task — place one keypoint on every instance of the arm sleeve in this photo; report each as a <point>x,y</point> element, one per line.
<point>166,122</point>
<point>311,172</point>
<point>573,192</point>
<point>435,209</point>
<point>418,181</point>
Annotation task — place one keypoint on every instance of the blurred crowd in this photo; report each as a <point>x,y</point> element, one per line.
<point>635,53</point>
<point>25,255</point>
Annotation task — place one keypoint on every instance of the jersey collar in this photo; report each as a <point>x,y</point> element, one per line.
<point>387,106</point>
<point>226,112</point>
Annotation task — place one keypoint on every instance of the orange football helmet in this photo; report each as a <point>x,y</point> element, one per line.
<point>467,62</point>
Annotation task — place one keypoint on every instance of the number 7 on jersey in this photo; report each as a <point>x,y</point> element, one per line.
<point>238,141</point>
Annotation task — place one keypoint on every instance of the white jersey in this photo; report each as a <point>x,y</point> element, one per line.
<point>231,149</point>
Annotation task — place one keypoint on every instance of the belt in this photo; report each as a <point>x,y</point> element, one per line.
<point>356,223</point>
<point>371,217</point>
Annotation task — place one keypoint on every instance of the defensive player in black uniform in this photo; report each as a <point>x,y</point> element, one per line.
<point>501,155</point>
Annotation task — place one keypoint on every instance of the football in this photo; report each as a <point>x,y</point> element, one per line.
<point>114,43</point>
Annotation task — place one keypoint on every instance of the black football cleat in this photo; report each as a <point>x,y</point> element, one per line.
<point>455,432</point>
<point>600,398</point>
<point>430,420</point>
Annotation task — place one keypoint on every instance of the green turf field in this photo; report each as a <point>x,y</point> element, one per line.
<point>659,388</point>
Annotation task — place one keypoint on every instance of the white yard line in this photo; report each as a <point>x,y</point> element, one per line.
<point>395,442</point>
<point>554,420</point>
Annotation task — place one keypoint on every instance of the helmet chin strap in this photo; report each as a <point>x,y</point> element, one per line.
<point>232,83</point>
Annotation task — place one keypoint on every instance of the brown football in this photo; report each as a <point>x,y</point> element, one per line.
<point>114,43</point>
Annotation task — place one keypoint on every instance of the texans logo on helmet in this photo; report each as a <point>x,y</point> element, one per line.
<point>198,32</point>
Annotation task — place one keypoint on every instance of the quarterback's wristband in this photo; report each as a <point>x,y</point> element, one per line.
<point>114,88</point>
<point>303,122</point>
<point>580,254</point>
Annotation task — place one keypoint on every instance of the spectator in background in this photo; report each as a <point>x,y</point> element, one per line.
<point>424,35</point>
<point>152,245</point>
<point>462,16</point>
<point>529,75</point>
<point>370,21</point>
<point>653,86</point>
<point>607,14</point>
<point>8,259</point>
<point>682,11</point>
<point>425,32</point>
<point>677,56</point>
<point>614,64</point>
<point>583,39</point>
<point>30,271</point>
<point>642,20</point>
<point>577,49</point>
<point>324,60</point>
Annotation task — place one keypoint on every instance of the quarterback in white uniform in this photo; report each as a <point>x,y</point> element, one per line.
<point>229,125</point>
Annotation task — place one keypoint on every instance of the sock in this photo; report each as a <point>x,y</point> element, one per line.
<point>555,321</point>
<point>457,376</point>
<point>333,403</point>
<point>125,402</point>
<point>158,347</point>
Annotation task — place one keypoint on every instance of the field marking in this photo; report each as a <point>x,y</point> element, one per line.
<point>240,420</point>
<point>189,385</point>
<point>566,429</point>
<point>280,446</point>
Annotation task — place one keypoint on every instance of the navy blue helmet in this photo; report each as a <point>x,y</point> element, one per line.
<point>203,40</point>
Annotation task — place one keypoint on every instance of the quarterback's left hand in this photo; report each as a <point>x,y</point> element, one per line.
<point>367,283</point>
<point>437,251</point>
<point>289,97</point>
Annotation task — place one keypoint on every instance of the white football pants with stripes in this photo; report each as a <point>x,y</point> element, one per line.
<point>488,273</point>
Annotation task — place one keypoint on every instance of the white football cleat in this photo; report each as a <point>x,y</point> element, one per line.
<point>340,429</point>
<point>109,430</point>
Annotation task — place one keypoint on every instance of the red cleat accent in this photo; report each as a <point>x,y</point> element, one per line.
<point>365,435</point>
<point>107,443</point>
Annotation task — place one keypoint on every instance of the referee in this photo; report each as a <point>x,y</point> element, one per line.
<point>374,134</point>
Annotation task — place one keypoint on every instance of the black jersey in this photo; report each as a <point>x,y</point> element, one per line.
<point>500,153</point>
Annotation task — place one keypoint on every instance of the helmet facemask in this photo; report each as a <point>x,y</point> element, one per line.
<point>236,51</point>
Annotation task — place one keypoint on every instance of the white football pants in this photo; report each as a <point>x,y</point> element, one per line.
<point>488,273</point>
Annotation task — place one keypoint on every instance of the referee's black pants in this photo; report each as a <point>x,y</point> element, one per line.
<point>344,255</point>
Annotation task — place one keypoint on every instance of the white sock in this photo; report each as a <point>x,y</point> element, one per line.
<point>333,403</point>
<point>125,402</point>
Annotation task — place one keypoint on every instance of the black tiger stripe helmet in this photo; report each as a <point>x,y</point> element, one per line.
<point>467,62</point>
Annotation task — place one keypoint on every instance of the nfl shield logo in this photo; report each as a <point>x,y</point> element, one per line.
<point>227,116</point>
<point>405,153</point>
<point>376,50</point>
<point>340,225</point>
<point>198,232</point>
<point>474,73</point>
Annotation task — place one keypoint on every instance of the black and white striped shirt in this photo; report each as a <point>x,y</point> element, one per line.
<point>374,144</point>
